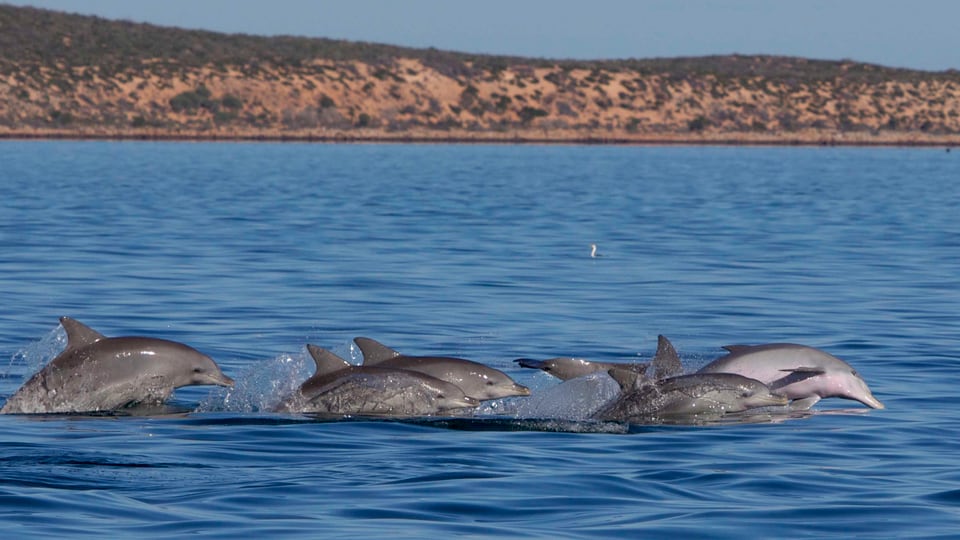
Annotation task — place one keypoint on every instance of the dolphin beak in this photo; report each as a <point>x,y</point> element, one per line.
<point>774,399</point>
<point>872,402</point>
<point>220,379</point>
<point>520,390</point>
<point>468,401</point>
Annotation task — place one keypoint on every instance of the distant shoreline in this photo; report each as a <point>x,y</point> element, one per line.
<point>67,76</point>
<point>731,139</point>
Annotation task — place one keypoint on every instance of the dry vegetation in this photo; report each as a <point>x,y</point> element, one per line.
<point>70,75</point>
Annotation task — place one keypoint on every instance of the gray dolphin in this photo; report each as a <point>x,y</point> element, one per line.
<point>566,368</point>
<point>477,380</point>
<point>95,373</point>
<point>340,388</point>
<point>801,373</point>
<point>666,363</point>
<point>684,396</point>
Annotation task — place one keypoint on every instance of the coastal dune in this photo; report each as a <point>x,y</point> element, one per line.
<point>64,75</point>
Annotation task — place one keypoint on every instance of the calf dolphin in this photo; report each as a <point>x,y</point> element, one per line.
<point>666,363</point>
<point>800,373</point>
<point>475,379</point>
<point>95,373</point>
<point>339,388</point>
<point>684,396</point>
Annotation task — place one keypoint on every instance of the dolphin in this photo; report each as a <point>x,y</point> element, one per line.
<point>684,396</point>
<point>803,374</point>
<point>475,379</point>
<point>666,363</point>
<point>340,388</point>
<point>566,368</point>
<point>95,373</point>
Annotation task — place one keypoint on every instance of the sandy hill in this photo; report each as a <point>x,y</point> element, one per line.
<point>81,76</point>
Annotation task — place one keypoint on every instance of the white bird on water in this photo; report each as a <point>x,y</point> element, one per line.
<point>593,251</point>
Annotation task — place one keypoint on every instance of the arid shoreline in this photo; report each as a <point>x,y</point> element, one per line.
<point>78,77</point>
<point>733,139</point>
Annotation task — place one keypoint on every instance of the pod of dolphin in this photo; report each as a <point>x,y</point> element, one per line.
<point>96,374</point>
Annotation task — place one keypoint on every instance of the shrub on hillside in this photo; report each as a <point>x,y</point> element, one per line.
<point>698,124</point>
<point>528,114</point>
<point>192,100</point>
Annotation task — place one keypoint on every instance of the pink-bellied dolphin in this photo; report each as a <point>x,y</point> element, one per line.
<point>340,388</point>
<point>666,363</point>
<point>95,373</point>
<point>803,374</point>
<point>475,379</point>
<point>684,397</point>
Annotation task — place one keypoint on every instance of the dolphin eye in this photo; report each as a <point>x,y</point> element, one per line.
<point>489,383</point>
<point>198,370</point>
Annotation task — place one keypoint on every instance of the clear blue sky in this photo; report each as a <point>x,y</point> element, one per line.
<point>920,34</point>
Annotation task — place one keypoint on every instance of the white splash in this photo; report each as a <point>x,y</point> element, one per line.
<point>260,387</point>
<point>576,399</point>
<point>34,356</point>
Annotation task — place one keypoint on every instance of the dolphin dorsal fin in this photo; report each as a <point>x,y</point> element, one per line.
<point>666,363</point>
<point>326,361</point>
<point>626,378</point>
<point>79,334</point>
<point>373,351</point>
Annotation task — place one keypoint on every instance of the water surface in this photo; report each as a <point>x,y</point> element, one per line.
<point>249,251</point>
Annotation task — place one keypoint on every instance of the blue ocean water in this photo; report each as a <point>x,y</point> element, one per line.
<point>249,251</point>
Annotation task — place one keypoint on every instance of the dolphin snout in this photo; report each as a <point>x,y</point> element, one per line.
<point>521,390</point>
<point>872,402</point>
<point>467,401</point>
<point>770,400</point>
<point>219,379</point>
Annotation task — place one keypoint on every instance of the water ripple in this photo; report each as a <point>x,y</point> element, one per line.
<point>248,252</point>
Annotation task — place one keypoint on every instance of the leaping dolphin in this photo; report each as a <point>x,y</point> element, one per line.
<point>340,388</point>
<point>475,379</point>
<point>666,363</point>
<point>95,373</point>
<point>683,397</point>
<point>803,374</point>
